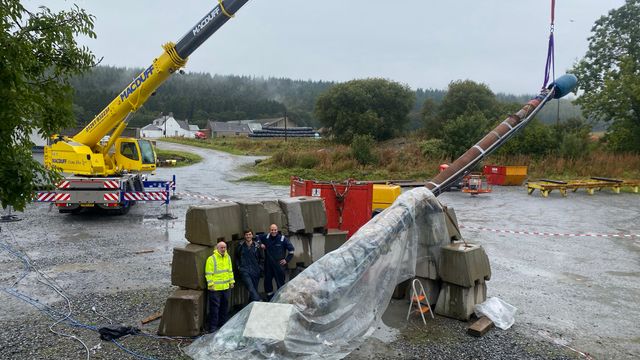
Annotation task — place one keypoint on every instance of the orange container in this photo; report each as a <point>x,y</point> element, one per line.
<point>505,175</point>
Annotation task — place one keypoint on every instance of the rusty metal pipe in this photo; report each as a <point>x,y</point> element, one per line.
<point>499,135</point>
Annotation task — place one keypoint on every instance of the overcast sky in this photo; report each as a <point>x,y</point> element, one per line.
<point>422,43</point>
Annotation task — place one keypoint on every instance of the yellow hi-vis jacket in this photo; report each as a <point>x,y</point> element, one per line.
<point>218,271</point>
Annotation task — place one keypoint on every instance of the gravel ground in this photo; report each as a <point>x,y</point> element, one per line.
<point>29,336</point>
<point>444,338</point>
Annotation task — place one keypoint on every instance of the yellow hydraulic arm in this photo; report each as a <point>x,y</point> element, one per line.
<point>82,154</point>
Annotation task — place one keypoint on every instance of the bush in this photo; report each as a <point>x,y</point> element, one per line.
<point>361,149</point>
<point>307,161</point>
<point>432,148</point>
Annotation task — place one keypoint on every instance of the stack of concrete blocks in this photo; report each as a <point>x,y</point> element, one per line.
<point>302,219</point>
<point>184,311</point>
<point>436,233</point>
<point>435,269</point>
<point>306,219</point>
<point>464,268</point>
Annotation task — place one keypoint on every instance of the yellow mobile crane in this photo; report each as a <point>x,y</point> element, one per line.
<point>111,175</point>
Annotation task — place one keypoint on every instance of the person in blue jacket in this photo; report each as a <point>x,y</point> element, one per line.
<point>249,259</point>
<point>278,252</point>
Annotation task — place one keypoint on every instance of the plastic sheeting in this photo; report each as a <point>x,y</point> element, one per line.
<point>339,300</point>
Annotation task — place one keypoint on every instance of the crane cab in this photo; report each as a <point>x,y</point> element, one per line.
<point>134,155</point>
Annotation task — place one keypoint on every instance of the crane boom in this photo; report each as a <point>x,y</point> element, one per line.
<point>172,59</point>
<point>100,177</point>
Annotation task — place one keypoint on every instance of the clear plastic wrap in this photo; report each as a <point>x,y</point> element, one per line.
<point>338,301</point>
<point>501,313</point>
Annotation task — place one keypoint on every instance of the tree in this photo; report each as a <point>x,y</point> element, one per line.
<point>462,97</point>
<point>462,132</point>
<point>375,107</point>
<point>609,75</point>
<point>39,55</point>
<point>535,139</point>
<point>428,113</point>
<point>466,96</point>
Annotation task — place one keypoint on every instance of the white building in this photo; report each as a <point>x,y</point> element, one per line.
<point>167,126</point>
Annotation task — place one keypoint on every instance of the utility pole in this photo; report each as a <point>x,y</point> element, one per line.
<point>285,126</point>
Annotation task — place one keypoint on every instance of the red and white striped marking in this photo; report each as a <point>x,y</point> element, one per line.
<point>111,184</point>
<point>542,233</point>
<point>65,184</point>
<point>111,197</point>
<point>202,197</point>
<point>52,196</point>
<point>146,195</point>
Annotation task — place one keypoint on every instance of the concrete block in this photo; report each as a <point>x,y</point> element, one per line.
<point>187,267</point>
<point>304,213</point>
<point>254,216</point>
<point>184,314</point>
<point>452,223</point>
<point>426,267</point>
<point>333,239</point>
<point>433,235</point>
<point>206,224</point>
<point>302,253</point>
<point>457,301</point>
<point>464,264</point>
<point>276,216</point>
<point>317,246</point>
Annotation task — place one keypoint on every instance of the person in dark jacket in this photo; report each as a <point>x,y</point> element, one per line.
<point>249,259</point>
<point>278,252</point>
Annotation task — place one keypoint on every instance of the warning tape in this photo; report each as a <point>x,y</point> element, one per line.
<point>541,233</point>
<point>202,197</point>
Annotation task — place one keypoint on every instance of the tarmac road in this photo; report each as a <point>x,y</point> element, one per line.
<point>577,291</point>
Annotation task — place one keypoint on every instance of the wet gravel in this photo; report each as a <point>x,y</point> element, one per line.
<point>444,338</point>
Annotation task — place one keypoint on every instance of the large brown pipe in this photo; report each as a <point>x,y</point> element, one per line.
<point>500,134</point>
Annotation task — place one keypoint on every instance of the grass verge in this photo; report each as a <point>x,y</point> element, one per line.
<point>182,158</point>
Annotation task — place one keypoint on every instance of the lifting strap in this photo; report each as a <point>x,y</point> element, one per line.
<point>550,66</point>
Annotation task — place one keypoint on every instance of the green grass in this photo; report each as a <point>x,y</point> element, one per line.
<point>182,158</point>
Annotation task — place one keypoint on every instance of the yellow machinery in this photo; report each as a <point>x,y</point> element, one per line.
<point>96,169</point>
<point>384,195</point>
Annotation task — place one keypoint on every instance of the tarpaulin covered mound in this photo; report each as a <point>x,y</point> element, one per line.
<point>327,310</point>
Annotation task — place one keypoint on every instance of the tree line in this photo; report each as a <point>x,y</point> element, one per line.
<point>198,97</point>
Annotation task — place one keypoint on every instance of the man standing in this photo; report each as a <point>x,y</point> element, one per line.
<point>248,259</point>
<point>279,252</point>
<point>219,275</point>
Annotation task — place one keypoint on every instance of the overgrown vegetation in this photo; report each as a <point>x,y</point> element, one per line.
<point>412,159</point>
